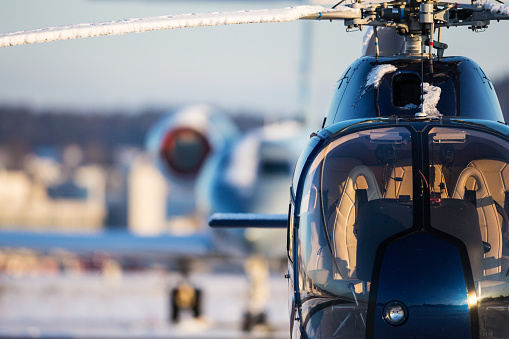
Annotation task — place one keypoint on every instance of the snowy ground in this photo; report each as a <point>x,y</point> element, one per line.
<point>131,306</point>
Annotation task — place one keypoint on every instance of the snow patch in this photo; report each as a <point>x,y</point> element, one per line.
<point>374,77</point>
<point>430,100</point>
<point>138,25</point>
<point>410,106</point>
<point>376,74</point>
<point>366,39</point>
<point>497,8</point>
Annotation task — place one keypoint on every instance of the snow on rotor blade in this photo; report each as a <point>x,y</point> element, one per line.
<point>138,25</point>
<point>498,8</point>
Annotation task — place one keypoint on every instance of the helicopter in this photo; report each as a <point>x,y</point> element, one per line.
<point>380,240</point>
<point>397,223</point>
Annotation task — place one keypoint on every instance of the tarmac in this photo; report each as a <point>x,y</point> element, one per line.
<point>134,305</point>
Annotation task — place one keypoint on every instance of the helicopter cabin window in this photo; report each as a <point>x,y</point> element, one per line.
<point>474,170</point>
<point>399,93</point>
<point>406,90</point>
<point>357,193</point>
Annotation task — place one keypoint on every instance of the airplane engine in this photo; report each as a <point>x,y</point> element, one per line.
<point>180,145</point>
<point>181,142</point>
<point>184,150</point>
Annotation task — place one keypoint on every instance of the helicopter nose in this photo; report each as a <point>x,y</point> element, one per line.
<point>422,289</point>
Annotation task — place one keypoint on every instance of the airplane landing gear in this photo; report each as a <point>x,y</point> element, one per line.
<point>257,270</point>
<point>251,320</point>
<point>185,297</point>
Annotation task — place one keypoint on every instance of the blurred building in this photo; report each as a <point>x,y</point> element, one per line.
<point>155,206</point>
<point>46,196</point>
<point>147,198</point>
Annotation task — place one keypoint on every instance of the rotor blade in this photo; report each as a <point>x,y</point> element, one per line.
<point>500,11</point>
<point>138,25</point>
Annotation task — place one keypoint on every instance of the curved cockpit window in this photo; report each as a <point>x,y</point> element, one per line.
<point>474,174</point>
<point>358,192</point>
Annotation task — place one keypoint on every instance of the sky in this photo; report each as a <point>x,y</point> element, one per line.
<point>240,67</point>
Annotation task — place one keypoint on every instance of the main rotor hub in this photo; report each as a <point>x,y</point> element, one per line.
<point>417,20</point>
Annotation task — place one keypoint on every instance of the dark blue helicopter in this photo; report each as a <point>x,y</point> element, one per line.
<point>398,223</point>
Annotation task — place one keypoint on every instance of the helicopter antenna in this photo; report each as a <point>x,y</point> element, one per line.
<point>339,3</point>
<point>431,46</point>
<point>422,113</point>
<point>377,49</point>
<point>440,51</point>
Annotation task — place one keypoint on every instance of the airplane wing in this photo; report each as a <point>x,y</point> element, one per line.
<point>115,243</point>
<point>139,25</point>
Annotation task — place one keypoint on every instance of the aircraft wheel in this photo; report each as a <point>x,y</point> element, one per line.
<point>197,303</point>
<point>251,320</point>
<point>175,309</point>
<point>185,297</point>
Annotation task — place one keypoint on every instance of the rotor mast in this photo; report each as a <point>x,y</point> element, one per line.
<point>417,20</point>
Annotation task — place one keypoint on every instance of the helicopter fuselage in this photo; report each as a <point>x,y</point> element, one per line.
<point>398,220</point>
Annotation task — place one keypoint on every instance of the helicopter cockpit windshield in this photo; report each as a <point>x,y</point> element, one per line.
<point>475,168</point>
<point>348,174</point>
<point>362,188</point>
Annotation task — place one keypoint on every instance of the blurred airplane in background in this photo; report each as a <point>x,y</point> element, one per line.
<point>212,168</point>
<point>208,167</point>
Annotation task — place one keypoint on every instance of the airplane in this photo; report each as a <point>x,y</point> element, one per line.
<point>211,167</point>
<point>397,223</point>
<point>201,153</point>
